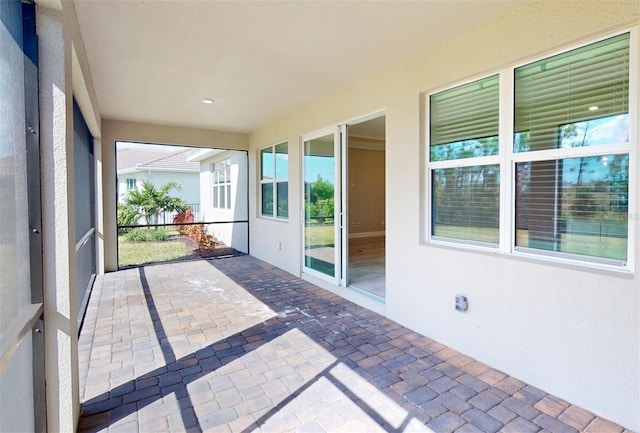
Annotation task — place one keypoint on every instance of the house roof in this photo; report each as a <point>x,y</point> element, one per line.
<point>204,154</point>
<point>131,159</point>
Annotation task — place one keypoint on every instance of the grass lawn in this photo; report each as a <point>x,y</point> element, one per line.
<point>480,234</point>
<point>610,247</point>
<point>138,253</point>
<point>319,235</point>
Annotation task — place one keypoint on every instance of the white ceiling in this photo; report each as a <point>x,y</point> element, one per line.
<point>154,61</point>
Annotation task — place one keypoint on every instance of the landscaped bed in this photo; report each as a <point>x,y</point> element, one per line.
<point>152,247</point>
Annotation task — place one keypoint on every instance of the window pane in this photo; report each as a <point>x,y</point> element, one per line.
<point>215,197</point>
<point>466,203</point>
<point>267,199</point>
<point>222,197</point>
<point>266,163</point>
<point>578,98</point>
<point>282,161</point>
<point>464,121</point>
<point>575,205</point>
<point>605,130</point>
<point>228,188</point>
<point>227,170</point>
<point>283,199</point>
<point>214,173</point>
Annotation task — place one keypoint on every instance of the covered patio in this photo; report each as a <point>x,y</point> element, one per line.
<point>238,345</point>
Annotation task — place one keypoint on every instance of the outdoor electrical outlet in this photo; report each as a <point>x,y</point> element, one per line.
<point>353,223</point>
<point>461,303</point>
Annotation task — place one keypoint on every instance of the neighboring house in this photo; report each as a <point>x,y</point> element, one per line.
<point>134,166</point>
<point>223,194</point>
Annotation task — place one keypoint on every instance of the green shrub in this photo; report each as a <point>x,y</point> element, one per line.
<point>145,235</point>
<point>160,234</point>
<point>137,235</point>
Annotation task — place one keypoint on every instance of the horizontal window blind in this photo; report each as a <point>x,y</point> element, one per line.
<point>574,205</point>
<point>465,117</point>
<point>466,203</point>
<point>585,84</point>
<point>571,204</point>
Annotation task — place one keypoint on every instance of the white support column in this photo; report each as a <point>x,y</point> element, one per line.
<point>58,224</point>
<point>99,209</point>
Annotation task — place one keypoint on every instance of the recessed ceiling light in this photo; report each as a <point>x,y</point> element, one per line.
<point>592,108</point>
<point>207,101</point>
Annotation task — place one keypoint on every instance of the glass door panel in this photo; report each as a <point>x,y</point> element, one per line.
<point>321,251</point>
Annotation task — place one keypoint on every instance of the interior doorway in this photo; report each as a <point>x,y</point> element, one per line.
<point>344,205</point>
<point>366,206</point>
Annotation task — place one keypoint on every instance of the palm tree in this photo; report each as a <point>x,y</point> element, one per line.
<point>149,202</point>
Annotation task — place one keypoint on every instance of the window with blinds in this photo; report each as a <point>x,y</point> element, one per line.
<point>465,187</point>
<point>466,203</point>
<point>575,203</point>
<point>464,121</point>
<point>566,171</point>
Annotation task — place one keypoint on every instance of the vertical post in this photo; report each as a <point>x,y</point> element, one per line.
<point>56,144</point>
<point>99,206</point>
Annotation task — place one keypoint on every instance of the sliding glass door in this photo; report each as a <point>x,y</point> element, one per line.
<point>326,189</point>
<point>322,203</point>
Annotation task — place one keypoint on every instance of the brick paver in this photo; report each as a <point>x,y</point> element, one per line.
<point>237,345</point>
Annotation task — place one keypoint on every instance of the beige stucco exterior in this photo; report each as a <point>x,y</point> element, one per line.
<point>570,330</point>
<point>58,233</point>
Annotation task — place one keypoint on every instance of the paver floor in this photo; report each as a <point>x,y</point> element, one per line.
<point>237,345</point>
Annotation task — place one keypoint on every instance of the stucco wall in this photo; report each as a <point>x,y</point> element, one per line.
<point>572,331</point>
<point>233,235</point>
<point>58,220</point>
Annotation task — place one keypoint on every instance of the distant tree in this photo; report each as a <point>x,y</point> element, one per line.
<point>320,203</point>
<point>150,202</point>
<point>321,189</point>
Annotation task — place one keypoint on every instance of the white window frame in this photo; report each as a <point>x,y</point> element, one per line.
<point>507,160</point>
<point>465,162</point>
<point>134,183</point>
<point>221,186</point>
<point>273,182</point>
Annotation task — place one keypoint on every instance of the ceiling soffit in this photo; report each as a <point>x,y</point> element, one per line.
<point>154,61</point>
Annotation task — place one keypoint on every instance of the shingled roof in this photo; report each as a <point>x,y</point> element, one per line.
<point>144,159</point>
